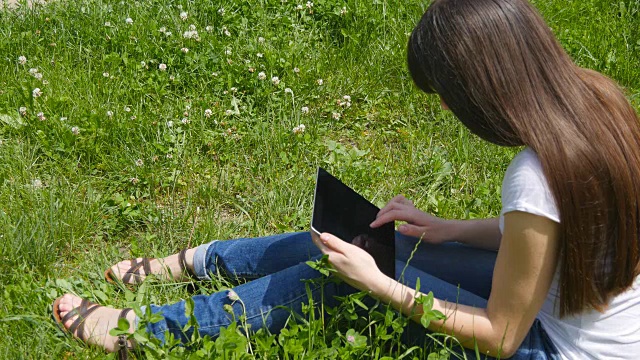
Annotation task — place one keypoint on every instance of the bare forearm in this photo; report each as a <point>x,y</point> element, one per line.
<point>469,325</point>
<point>480,233</point>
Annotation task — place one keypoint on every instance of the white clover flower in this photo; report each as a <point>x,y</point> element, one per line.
<point>75,130</point>
<point>22,110</point>
<point>22,60</point>
<point>343,10</point>
<point>259,55</point>
<point>261,40</point>
<point>45,82</point>
<point>320,81</point>
<point>221,11</point>
<point>214,74</point>
<point>41,116</point>
<point>63,118</point>
<point>162,67</point>
<point>299,7</point>
<point>208,113</point>
<point>184,120</point>
<point>169,124</point>
<point>168,33</point>
<point>33,71</point>
<point>171,77</point>
<point>227,52</point>
<point>105,74</point>
<point>143,64</point>
<point>129,21</point>
<point>163,29</point>
<point>347,98</point>
<point>227,32</point>
<point>228,112</point>
<point>304,110</point>
<point>133,117</point>
<point>127,109</point>
<point>233,296</point>
<point>275,80</point>
<point>37,183</point>
<point>38,76</point>
<point>299,129</point>
<point>336,115</point>
<point>134,180</point>
<point>184,50</point>
<point>192,27</point>
<point>139,162</point>
<point>234,89</point>
<point>288,90</point>
<point>107,23</point>
<point>184,15</point>
<point>296,70</point>
<point>309,4</point>
<point>187,107</point>
<point>36,92</point>
<point>109,113</point>
<point>251,69</point>
<point>169,156</point>
<point>262,75</point>
<point>191,34</point>
<point>209,28</point>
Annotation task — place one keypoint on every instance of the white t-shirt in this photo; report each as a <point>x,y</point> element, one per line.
<point>614,334</point>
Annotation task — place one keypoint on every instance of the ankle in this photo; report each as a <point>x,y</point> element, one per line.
<point>189,263</point>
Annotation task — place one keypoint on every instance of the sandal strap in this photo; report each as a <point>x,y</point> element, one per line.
<point>182,260</point>
<point>83,311</point>
<point>123,349</point>
<point>124,313</point>
<point>147,266</point>
<point>134,267</point>
<point>135,270</point>
<point>73,312</point>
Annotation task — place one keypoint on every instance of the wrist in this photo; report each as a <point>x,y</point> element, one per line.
<point>381,287</point>
<point>452,229</point>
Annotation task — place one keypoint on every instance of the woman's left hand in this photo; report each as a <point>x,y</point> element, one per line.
<point>354,265</point>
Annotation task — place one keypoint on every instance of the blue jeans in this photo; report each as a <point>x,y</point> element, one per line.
<point>276,267</point>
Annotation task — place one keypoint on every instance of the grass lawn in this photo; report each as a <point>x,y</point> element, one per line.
<point>136,128</point>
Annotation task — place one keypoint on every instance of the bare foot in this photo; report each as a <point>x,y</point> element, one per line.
<point>97,324</point>
<point>167,268</point>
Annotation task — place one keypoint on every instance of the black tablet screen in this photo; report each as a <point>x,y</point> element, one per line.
<point>344,213</point>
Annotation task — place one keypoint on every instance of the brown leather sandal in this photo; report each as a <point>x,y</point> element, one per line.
<point>134,271</point>
<point>76,329</point>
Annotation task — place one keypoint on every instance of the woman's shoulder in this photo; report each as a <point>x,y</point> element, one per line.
<point>526,159</point>
<point>525,187</point>
<point>525,170</point>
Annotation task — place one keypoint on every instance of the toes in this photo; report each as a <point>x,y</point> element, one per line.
<point>67,303</point>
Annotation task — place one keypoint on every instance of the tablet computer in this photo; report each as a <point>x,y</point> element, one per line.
<point>339,210</point>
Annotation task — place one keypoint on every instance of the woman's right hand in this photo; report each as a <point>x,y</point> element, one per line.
<point>419,224</point>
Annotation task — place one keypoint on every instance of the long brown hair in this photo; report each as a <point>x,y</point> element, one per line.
<point>500,70</point>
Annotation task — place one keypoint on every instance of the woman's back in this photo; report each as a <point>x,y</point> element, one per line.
<point>615,333</point>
